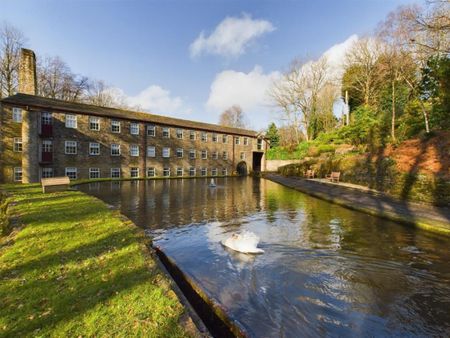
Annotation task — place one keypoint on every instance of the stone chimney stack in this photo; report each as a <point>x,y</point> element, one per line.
<point>27,72</point>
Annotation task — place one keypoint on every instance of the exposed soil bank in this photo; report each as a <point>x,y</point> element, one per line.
<point>423,216</point>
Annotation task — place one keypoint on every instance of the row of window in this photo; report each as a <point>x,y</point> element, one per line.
<point>71,148</point>
<point>71,121</point>
<point>94,173</point>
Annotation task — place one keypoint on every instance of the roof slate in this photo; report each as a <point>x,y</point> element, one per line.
<point>25,100</point>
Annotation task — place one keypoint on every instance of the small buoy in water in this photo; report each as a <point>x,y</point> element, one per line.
<point>212,184</point>
<point>245,242</point>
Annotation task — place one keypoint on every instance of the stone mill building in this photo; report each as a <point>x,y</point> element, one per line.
<point>42,137</point>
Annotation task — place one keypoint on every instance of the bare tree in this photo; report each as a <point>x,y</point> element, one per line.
<point>56,80</point>
<point>363,58</point>
<point>11,41</point>
<point>298,95</point>
<point>233,117</point>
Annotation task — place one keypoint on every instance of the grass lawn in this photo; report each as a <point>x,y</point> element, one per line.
<point>72,267</point>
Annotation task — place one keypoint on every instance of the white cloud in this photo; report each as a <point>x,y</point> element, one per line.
<point>155,99</point>
<point>231,37</point>
<point>249,90</point>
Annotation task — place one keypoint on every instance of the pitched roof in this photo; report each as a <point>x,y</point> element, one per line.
<point>24,100</point>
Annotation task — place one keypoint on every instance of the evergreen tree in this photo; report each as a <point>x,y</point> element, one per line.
<point>272,135</point>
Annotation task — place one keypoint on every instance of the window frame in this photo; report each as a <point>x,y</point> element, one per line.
<point>153,148</point>
<point>204,155</point>
<point>69,119</point>
<point>192,135</point>
<point>166,170</point>
<point>151,130</point>
<point>149,169</point>
<point>118,148</point>
<point>134,150</point>
<point>180,152</point>
<point>178,170</point>
<point>134,172</point>
<point>165,149</point>
<point>66,146</point>
<point>192,152</point>
<point>93,170</point>
<point>17,144</point>
<point>92,123</point>
<point>17,115</point>
<point>180,133</point>
<point>66,170</point>
<point>115,170</point>
<point>46,175</point>
<point>192,171</point>
<point>134,128</point>
<point>91,146</point>
<point>116,123</point>
<point>17,171</point>
<point>166,132</point>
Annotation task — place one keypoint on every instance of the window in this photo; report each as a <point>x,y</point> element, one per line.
<point>46,118</point>
<point>179,171</point>
<point>259,144</point>
<point>225,138</point>
<point>47,172</point>
<point>166,171</point>
<point>180,153</point>
<point>70,147</point>
<point>94,173</point>
<point>134,128</point>
<point>204,136</point>
<point>192,154</point>
<point>151,172</point>
<point>166,152</point>
<point>134,150</point>
<point>191,171</point>
<point>245,141</point>
<point>17,144</point>
<point>18,174</point>
<point>214,137</point>
<point>204,171</point>
<point>47,146</point>
<point>214,172</point>
<point>179,133</point>
<point>94,148</point>
<point>71,121</point>
<point>115,172</point>
<point>134,172</point>
<point>166,132</point>
<point>151,152</point>
<point>204,154</point>
<point>115,126</point>
<point>17,116</point>
<point>94,123</point>
<point>225,155</point>
<point>237,140</point>
<point>151,130</point>
<point>115,149</point>
<point>192,135</point>
<point>224,172</point>
<point>242,155</point>
<point>71,173</point>
<point>215,155</point>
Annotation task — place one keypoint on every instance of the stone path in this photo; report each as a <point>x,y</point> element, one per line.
<point>378,204</point>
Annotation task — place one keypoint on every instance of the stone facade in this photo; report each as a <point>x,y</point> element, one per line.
<point>222,158</point>
<point>42,137</point>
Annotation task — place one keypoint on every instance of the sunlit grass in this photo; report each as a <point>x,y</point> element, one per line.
<point>76,268</point>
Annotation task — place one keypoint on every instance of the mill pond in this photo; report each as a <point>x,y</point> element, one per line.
<point>326,270</point>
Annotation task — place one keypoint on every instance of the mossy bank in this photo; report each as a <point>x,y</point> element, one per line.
<point>69,266</point>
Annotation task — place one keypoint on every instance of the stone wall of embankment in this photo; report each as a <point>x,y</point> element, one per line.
<point>377,173</point>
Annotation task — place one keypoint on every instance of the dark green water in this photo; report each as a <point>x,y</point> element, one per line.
<point>326,270</point>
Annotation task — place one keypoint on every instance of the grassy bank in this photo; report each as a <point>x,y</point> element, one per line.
<point>72,267</point>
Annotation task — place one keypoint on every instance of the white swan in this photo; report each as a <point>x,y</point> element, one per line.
<point>212,184</point>
<point>245,242</point>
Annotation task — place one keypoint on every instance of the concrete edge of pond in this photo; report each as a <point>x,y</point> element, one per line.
<point>212,314</point>
<point>433,225</point>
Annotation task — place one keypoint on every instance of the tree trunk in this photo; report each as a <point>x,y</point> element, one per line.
<point>393,112</point>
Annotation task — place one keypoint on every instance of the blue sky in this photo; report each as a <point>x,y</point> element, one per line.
<point>144,48</point>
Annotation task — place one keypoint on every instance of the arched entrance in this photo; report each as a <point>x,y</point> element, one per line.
<point>241,168</point>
